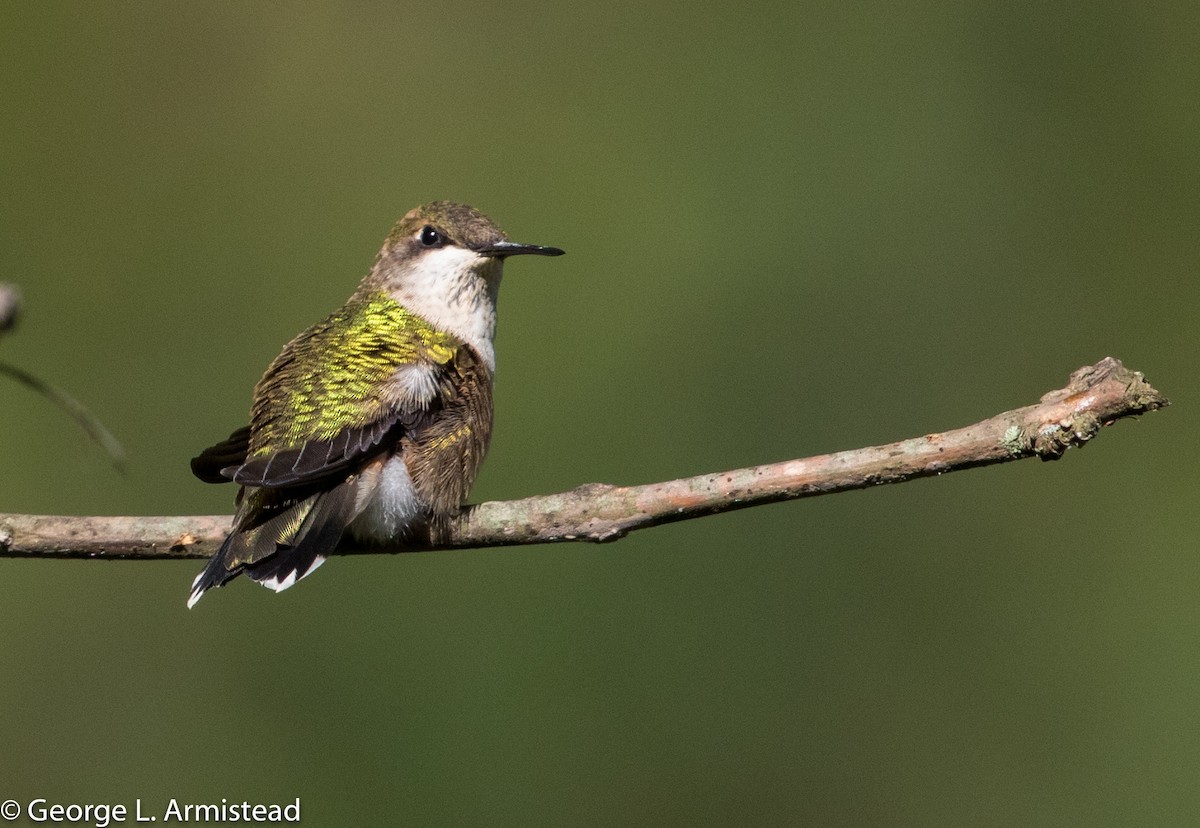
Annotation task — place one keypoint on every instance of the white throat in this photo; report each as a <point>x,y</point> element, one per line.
<point>455,291</point>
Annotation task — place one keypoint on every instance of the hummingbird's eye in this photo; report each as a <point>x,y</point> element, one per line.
<point>430,237</point>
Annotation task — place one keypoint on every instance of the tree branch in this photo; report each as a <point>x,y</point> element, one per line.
<point>1096,395</point>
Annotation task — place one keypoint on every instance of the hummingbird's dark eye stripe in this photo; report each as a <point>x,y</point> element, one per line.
<point>430,237</point>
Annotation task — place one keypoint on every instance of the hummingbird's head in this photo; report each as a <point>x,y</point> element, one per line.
<point>444,261</point>
<point>444,243</point>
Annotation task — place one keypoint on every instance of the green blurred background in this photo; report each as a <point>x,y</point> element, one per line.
<point>792,227</point>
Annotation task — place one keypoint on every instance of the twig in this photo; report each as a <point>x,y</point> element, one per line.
<point>75,410</point>
<point>1096,396</point>
<point>10,309</point>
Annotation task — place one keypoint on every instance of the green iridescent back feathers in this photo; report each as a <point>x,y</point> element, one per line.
<point>328,379</point>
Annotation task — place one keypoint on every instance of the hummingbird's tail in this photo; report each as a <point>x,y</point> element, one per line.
<point>280,571</point>
<point>271,552</point>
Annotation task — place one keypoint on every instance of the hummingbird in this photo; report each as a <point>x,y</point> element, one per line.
<point>377,418</point>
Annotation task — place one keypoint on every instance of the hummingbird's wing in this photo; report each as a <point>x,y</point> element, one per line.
<point>309,462</point>
<point>209,464</point>
<point>317,461</point>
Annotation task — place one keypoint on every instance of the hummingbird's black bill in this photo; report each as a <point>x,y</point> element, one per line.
<point>507,248</point>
